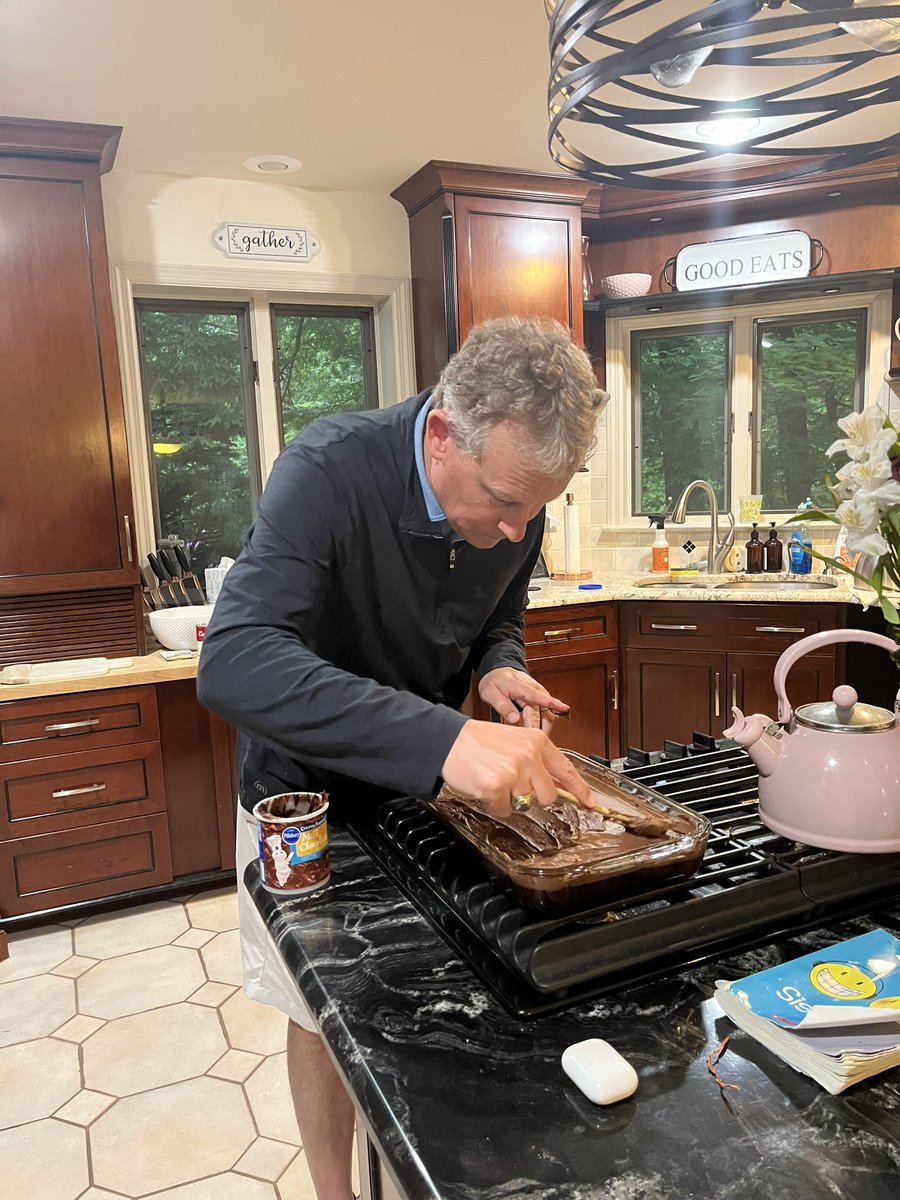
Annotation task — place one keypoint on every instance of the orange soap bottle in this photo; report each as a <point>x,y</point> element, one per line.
<point>659,552</point>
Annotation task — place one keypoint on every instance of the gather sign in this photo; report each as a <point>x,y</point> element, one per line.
<point>737,262</point>
<point>266,241</point>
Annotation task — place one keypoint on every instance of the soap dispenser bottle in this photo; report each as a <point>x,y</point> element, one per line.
<point>774,550</point>
<point>754,552</point>
<point>659,551</point>
<point>801,545</point>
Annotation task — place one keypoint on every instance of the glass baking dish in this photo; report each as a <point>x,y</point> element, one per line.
<point>656,840</point>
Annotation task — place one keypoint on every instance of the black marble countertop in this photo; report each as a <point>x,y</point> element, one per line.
<point>465,1101</point>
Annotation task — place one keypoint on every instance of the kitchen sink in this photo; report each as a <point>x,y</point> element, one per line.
<point>668,584</point>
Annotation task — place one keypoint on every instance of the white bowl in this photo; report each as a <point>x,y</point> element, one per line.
<point>621,286</point>
<point>176,628</point>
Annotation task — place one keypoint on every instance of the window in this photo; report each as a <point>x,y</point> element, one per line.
<point>681,395</point>
<point>743,398</point>
<point>809,372</point>
<point>197,377</point>
<point>324,363</point>
<point>207,407</point>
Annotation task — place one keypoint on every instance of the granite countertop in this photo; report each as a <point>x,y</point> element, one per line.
<point>553,593</point>
<point>468,1103</point>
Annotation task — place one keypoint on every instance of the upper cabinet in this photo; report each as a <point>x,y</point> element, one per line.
<point>486,242</point>
<point>68,575</point>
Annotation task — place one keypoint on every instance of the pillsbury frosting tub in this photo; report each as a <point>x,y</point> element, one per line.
<point>293,842</point>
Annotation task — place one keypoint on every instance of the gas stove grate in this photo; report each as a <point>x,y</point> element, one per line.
<point>751,882</point>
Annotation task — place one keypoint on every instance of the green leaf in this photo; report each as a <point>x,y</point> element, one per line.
<point>890,611</point>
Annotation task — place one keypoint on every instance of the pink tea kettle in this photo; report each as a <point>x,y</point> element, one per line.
<point>829,772</point>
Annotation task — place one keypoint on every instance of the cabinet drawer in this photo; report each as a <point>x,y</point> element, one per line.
<point>722,625</point>
<point>572,630</point>
<point>55,869</point>
<point>64,724</point>
<point>47,794</point>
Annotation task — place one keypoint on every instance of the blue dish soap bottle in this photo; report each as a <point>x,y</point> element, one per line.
<point>801,545</point>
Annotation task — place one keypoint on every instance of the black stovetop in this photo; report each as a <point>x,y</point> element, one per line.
<point>751,886</point>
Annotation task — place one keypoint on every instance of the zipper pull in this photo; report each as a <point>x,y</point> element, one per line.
<point>452,557</point>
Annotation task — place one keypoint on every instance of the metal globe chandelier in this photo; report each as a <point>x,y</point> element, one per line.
<point>789,88</point>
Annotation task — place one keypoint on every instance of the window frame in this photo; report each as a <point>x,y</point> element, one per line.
<point>238,309</point>
<point>760,324</point>
<point>616,463</point>
<point>366,317</point>
<point>640,335</point>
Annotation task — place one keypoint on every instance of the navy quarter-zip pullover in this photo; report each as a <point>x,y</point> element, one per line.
<point>342,644</point>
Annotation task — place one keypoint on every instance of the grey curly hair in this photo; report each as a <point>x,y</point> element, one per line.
<point>526,370</point>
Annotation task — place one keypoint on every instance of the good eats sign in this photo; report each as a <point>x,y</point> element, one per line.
<point>737,262</point>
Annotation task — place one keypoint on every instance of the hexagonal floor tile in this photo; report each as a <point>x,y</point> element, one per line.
<point>46,1160</point>
<point>267,1159</point>
<point>35,952</point>
<point>35,1079</point>
<point>259,1028</point>
<point>214,910</point>
<point>296,1183</point>
<point>269,1093</point>
<point>112,934</point>
<point>222,957</point>
<point>150,1049</point>
<point>163,1138</point>
<point>220,1187</point>
<point>32,1008</point>
<point>167,975</point>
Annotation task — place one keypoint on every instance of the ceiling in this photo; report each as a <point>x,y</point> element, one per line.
<point>362,92</point>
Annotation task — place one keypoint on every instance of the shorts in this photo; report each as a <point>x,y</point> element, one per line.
<point>266,976</point>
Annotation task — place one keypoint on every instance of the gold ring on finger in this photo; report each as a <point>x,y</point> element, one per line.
<point>523,802</point>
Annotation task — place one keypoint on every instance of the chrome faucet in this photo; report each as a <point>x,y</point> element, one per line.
<point>718,551</point>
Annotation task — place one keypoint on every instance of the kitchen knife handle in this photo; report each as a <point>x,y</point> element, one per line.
<point>128,546</point>
<point>166,563</point>
<point>155,567</point>
<point>182,559</point>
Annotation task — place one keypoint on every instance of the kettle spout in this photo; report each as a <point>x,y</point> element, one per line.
<point>750,732</point>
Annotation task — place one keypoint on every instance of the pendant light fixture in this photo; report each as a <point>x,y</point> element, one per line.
<point>789,87</point>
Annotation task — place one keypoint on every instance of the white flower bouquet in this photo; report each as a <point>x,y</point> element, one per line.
<point>866,496</point>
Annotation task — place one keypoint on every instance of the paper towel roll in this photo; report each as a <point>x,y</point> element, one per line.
<point>572,539</point>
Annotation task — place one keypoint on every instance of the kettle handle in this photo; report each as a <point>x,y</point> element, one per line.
<point>815,641</point>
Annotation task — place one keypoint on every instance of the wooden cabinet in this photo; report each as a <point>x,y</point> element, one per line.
<point>68,575</point>
<point>573,652</point>
<point>109,792</point>
<point>82,801</point>
<point>485,242</point>
<point>687,664</point>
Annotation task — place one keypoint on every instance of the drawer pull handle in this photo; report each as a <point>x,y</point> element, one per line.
<point>780,629</point>
<point>655,626</point>
<point>716,703</point>
<point>614,681</point>
<point>67,726</point>
<point>734,690</point>
<point>128,546</point>
<point>552,635</point>
<point>93,787</point>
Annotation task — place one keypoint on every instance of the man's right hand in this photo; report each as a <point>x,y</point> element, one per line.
<point>493,763</point>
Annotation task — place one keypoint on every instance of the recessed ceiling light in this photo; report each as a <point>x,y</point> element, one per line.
<point>832,291</point>
<point>654,308</point>
<point>724,131</point>
<point>273,164</point>
<point>834,193</point>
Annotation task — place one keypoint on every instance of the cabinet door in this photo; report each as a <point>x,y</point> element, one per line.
<point>64,485</point>
<point>672,694</point>
<point>517,258</point>
<point>751,687</point>
<point>589,684</point>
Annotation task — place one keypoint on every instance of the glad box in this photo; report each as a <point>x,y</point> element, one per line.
<point>293,842</point>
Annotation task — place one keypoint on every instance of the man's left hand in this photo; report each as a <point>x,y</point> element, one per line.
<point>519,699</point>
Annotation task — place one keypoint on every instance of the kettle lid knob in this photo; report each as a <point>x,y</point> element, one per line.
<point>844,698</point>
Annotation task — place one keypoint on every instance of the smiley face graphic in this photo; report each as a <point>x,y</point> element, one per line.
<point>887,1002</point>
<point>843,981</point>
